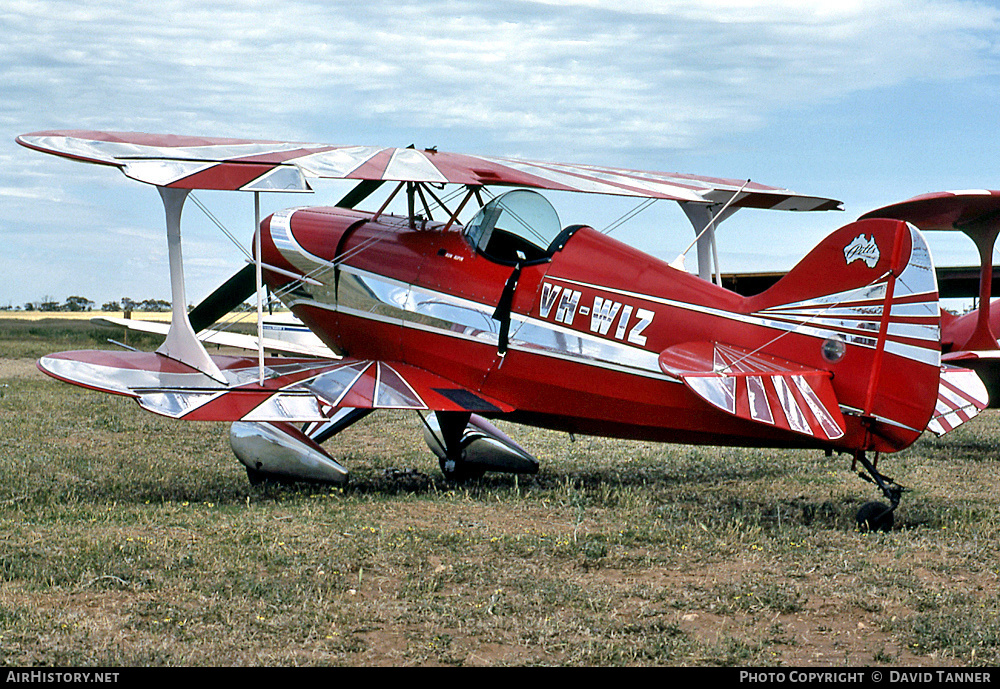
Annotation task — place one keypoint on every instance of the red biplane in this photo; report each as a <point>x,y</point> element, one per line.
<point>511,315</point>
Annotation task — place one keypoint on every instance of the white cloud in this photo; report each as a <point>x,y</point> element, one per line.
<point>661,74</point>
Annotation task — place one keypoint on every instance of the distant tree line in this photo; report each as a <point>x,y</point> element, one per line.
<point>125,304</point>
<point>76,303</point>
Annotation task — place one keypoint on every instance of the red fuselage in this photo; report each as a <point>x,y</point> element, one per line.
<point>587,325</point>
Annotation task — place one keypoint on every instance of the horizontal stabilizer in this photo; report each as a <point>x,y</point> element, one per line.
<point>294,390</point>
<point>961,396</point>
<point>758,387</point>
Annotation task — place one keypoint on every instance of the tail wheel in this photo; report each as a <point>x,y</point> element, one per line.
<point>875,516</point>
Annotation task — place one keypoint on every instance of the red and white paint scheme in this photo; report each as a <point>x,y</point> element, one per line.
<point>511,315</point>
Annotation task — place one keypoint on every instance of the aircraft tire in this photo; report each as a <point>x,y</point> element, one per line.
<point>255,477</point>
<point>460,472</point>
<point>875,516</point>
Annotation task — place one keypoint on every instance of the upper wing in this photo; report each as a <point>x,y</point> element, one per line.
<point>758,387</point>
<point>294,390</point>
<point>238,164</point>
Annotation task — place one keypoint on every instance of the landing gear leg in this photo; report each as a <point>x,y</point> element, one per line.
<point>877,516</point>
<point>453,465</point>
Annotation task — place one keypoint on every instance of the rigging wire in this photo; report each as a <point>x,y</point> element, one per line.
<point>218,223</point>
<point>711,223</point>
<point>643,205</point>
<point>236,317</point>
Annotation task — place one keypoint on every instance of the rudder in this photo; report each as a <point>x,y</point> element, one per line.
<point>868,293</point>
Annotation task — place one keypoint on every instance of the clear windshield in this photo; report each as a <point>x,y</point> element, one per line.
<point>519,225</point>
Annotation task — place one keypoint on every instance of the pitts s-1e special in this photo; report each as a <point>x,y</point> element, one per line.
<point>511,315</point>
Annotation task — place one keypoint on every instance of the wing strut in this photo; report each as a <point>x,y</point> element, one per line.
<point>181,343</point>
<point>984,234</point>
<point>260,288</point>
<point>705,218</point>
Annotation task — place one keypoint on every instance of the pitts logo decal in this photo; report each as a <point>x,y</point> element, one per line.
<point>862,249</point>
<point>602,314</point>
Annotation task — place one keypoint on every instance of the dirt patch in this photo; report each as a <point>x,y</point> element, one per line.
<point>18,369</point>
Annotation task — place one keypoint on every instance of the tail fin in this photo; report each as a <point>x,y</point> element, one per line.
<point>866,299</point>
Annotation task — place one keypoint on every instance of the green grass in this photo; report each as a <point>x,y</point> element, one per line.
<point>130,539</point>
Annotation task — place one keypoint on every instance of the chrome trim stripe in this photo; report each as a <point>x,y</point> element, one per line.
<point>805,327</point>
<point>483,337</point>
<point>370,295</point>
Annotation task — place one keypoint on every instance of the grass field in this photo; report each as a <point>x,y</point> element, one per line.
<point>128,539</point>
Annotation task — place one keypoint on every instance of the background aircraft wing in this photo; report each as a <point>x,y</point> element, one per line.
<point>294,390</point>
<point>961,396</point>
<point>220,337</point>
<point>944,210</point>
<point>237,164</point>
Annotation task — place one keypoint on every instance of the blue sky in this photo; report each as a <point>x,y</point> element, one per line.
<point>866,102</point>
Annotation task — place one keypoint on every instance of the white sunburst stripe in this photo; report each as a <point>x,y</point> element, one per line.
<point>897,328</point>
<point>926,308</point>
<point>822,415</point>
<point>951,399</point>
<point>915,331</point>
<point>971,394</point>
<point>833,324</point>
<point>961,396</point>
<point>873,293</point>
<point>930,308</point>
<point>927,355</point>
<point>602,182</point>
<point>915,306</point>
<point>818,316</point>
<point>847,306</point>
<point>749,372</point>
<point>338,162</point>
<point>856,312</point>
<point>771,320</point>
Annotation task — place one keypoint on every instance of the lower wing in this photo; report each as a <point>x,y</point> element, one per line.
<point>293,390</point>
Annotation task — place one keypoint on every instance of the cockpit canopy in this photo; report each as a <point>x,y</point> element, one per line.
<point>518,226</point>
